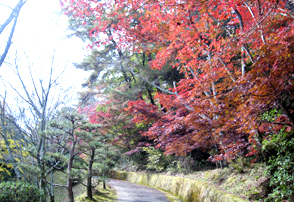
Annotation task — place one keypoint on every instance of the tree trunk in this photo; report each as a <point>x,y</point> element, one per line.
<point>89,188</point>
<point>43,186</point>
<point>42,168</point>
<point>150,96</point>
<point>69,178</point>
<point>90,174</point>
<point>70,191</point>
<point>52,188</point>
<point>52,198</point>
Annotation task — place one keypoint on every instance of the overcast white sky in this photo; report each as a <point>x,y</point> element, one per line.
<point>40,31</point>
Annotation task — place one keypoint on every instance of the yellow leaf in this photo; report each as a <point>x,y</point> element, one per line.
<point>9,166</point>
<point>7,172</point>
<point>21,170</point>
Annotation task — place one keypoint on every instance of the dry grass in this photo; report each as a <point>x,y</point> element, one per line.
<point>247,185</point>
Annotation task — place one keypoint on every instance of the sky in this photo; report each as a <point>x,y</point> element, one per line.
<point>41,32</point>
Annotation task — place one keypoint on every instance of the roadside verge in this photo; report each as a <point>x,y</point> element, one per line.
<point>186,189</point>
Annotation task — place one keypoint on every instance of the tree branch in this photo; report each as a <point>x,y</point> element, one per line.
<point>9,41</point>
<point>14,12</point>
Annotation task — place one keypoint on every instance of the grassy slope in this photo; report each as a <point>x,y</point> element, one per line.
<point>99,193</point>
<point>248,184</point>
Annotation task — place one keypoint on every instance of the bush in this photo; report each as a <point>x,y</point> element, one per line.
<point>239,164</point>
<point>19,192</point>
<point>280,161</point>
<point>181,164</point>
<point>156,159</point>
<point>132,163</point>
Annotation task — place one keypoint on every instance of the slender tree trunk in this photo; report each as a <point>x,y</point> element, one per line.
<point>70,191</point>
<point>90,174</point>
<point>41,166</point>
<point>43,185</point>
<point>69,188</point>
<point>150,96</point>
<point>69,178</point>
<point>104,185</point>
<point>52,188</point>
<point>89,188</point>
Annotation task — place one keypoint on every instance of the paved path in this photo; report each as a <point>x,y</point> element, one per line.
<point>130,192</point>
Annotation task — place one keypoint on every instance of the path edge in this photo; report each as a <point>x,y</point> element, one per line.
<point>186,189</point>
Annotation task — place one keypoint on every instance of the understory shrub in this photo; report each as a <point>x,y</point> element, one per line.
<point>16,192</point>
<point>156,159</point>
<point>280,160</point>
<point>240,164</point>
<point>181,164</point>
<point>133,162</point>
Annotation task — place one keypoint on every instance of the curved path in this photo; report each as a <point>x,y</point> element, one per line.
<point>130,192</point>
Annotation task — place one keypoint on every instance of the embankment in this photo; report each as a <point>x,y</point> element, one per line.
<point>186,189</point>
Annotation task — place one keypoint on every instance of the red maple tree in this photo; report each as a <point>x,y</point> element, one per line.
<point>237,56</point>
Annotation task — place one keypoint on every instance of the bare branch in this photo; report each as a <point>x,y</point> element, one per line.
<point>9,41</point>
<point>29,99</point>
<point>230,74</point>
<point>248,53</point>
<point>35,87</point>
<point>252,14</point>
<point>56,185</point>
<point>6,6</point>
<point>14,14</point>
<point>152,84</point>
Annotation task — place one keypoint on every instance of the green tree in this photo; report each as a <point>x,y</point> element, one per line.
<point>96,154</point>
<point>118,72</point>
<point>65,141</point>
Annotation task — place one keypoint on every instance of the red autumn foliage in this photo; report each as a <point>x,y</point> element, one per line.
<point>279,123</point>
<point>237,57</point>
<point>143,112</point>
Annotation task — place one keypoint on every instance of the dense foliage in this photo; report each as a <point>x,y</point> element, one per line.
<point>179,83</point>
<point>232,91</point>
<point>15,192</point>
<point>235,55</point>
<point>281,163</point>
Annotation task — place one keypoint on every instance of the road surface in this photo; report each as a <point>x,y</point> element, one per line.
<point>130,192</point>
